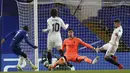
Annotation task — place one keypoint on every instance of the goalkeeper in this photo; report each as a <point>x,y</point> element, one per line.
<point>18,36</point>
<point>71,45</point>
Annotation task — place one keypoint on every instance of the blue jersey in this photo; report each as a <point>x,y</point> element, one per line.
<point>18,36</point>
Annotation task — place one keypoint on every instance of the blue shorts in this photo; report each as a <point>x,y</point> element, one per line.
<point>18,51</point>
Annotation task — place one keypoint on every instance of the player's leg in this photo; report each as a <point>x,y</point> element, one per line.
<point>86,59</point>
<point>28,60</point>
<point>49,56</point>
<point>50,45</point>
<point>21,59</point>
<point>115,58</point>
<point>21,63</point>
<point>58,45</point>
<point>16,50</point>
<point>111,51</point>
<point>104,48</point>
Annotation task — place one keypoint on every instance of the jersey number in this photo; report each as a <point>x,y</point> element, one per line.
<point>56,27</point>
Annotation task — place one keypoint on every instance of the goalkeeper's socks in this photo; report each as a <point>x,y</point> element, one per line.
<point>88,60</point>
<point>112,61</point>
<point>49,56</point>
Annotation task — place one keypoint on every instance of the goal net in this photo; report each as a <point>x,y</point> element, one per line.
<point>91,20</point>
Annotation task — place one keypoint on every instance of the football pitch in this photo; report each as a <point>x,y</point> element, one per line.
<point>78,71</point>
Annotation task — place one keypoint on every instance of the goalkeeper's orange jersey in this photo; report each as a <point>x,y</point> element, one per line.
<point>71,45</point>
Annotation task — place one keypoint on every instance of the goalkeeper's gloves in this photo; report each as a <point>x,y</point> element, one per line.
<point>96,49</point>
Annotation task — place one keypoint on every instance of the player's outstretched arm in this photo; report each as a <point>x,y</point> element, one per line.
<point>86,44</point>
<point>48,27</point>
<point>26,40</point>
<point>64,26</point>
<point>9,34</point>
<point>46,30</point>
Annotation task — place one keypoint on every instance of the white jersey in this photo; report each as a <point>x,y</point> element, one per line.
<point>54,36</point>
<point>54,25</point>
<point>116,35</point>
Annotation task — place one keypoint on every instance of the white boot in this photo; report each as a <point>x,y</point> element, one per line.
<point>95,60</point>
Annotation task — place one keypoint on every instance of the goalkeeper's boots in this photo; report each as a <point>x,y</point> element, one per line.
<point>34,68</point>
<point>95,60</point>
<point>120,66</point>
<point>19,68</point>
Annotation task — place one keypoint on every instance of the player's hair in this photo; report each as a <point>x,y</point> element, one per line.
<point>70,29</point>
<point>117,21</point>
<point>25,28</point>
<point>54,12</point>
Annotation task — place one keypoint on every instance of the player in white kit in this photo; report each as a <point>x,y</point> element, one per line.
<point>54,40</point>
<point>111,47</point>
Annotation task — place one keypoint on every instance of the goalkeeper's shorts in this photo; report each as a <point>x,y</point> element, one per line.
<point>72,58</point>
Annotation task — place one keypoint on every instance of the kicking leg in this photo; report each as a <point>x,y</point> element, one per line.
<point>104,48</point>
<point>19,63</point>
<point>28,61</point>
<point>114,58</point>
<point>110,60</point>
<point>101,49</point>
<point>17,50</point>
<point>110,56</point>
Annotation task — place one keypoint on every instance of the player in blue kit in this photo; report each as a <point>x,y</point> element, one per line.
<point>18,36</point>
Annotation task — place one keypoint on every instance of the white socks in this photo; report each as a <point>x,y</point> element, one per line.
<point>22,62</point>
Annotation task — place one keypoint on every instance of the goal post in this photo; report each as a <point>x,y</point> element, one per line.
<point>36,31</point>
<point>28,15</point>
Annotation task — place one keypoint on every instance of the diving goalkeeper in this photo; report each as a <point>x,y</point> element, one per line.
<point>71,45</point>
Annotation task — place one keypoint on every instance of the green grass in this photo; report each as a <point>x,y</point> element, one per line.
<point>79,71</point>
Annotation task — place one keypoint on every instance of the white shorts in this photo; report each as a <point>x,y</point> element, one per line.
<point>54,42</point>
<point>111,49</point>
